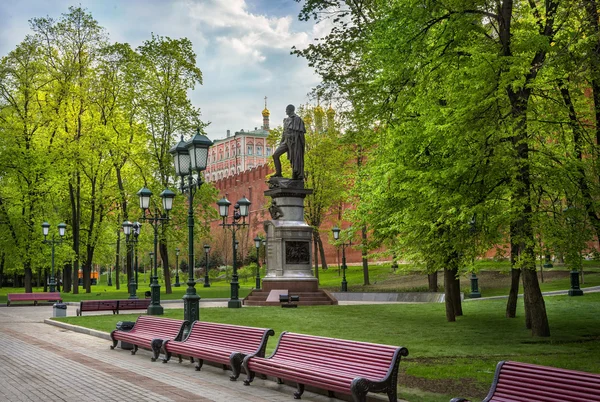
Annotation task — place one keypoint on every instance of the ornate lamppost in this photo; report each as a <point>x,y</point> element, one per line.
<point>177,284</point>
<point>127,226</point>
<point>336,235</point>
<point>206,251</point>
<point>190,157</point>
<point>241,209</point>
<point>257,241</point>
<point>136,233</point>
<point>151,254</point>
<point>157,217</point>
<point>61,231</point>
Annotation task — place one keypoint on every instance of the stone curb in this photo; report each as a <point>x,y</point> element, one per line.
<point>77,328</point>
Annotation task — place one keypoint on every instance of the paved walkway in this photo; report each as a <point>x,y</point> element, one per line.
<point>40,362</point>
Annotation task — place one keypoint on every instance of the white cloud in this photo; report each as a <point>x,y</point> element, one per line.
<point>242,49</point>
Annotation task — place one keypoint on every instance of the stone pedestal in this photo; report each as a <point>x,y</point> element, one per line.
<point>289,251</point>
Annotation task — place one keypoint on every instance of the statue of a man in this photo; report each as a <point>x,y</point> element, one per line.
<point>292,142</point>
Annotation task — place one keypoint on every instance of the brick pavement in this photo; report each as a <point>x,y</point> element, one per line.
<point>49,363</point>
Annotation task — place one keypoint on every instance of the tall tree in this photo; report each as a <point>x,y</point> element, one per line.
<point>170,71</point>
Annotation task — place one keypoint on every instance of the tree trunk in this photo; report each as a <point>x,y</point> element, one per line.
<point>449,275</point>
<point>118,261</point>
<point>67,276</point>
<point>316,255</point>
<point>164,254</point>
<point>535,307</point>
<point>432,280</point>
<point>322,252</point>
<point>2,271</point>
<point>513,295</point>
<point>456,299</point>
<point>365,262</point>
<point>75,199</point>
<point>28,275</point>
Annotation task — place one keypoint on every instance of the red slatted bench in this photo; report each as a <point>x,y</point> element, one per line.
<point>524,382</point>
<point>98,305</point>
<point>35,297</point>
<point>220,343</point>
<point>149,332</point>
<point>336,365</point>
<point>133,304</point>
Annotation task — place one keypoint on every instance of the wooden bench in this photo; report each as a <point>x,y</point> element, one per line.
<point>133,304</point>
<point>514,381</point>
<point>149,332</point>
<point>336,365</point>
<point>98,305</point>
<point>220,343</point>
<point>35,297</point>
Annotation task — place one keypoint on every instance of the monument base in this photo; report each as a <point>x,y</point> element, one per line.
<point>291,284</point>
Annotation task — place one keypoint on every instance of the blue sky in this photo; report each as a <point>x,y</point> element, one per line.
<point>242,48</point>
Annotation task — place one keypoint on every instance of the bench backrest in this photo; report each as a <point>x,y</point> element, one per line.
<point>134,304</point>
<point>236,337</point>
<point>159,326</point>
<point>93,305</point>
<point>367,359</point>
<point>34,296</point>
<point>544,383</point>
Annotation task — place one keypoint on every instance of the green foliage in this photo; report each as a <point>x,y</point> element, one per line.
<point>84,125</point>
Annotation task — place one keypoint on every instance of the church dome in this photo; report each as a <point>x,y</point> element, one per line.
<point>266,112</point>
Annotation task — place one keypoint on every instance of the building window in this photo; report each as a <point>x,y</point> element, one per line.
<point>249,150</point>
<point>259,151</point>
<point>268,151</point>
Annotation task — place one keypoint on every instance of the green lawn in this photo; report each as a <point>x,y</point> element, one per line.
<point>445,359</point>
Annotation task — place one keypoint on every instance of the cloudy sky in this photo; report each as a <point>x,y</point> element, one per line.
<point>242,48</point>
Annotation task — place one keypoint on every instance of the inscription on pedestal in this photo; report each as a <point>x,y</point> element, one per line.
<point>297,252</point>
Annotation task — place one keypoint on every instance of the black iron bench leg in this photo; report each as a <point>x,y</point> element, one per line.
<point>199,365</point>
<point>156,346</point>
<point>236,360</point>
<point>392,393</point>
<point>168,357</point>
<point>134,350</point>
<point>249,377</point>
<point>114,345</point>
<point>298,394</point>
<point>279,380</point>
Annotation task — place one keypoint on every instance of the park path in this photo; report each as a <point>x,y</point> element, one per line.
<point>40,362</point>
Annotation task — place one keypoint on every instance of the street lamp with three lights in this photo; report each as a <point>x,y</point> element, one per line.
<point>154,219</point>
<point>190,157</point>
<point>241,209</point>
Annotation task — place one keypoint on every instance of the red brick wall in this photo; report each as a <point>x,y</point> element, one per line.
<point>252,184</point>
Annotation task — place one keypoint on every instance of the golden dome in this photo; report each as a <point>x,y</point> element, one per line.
<point>330,111</point>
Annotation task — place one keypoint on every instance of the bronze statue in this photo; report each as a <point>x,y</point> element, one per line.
<point>292,142</point>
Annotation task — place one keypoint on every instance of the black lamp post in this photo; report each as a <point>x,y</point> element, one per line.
<point>241,209</point>
<point>475,294</point>
<point>136,233</point>
<point>257,241</point>
<point>151,254</point>
<point>61,231</point>
<point>127,226</point>
<point>575,256</point>
<point>190,157</point>
<point>109,283</point>
<point>206,251</point>
<point>336,236</point>
<point>177,284</point>
<point>157,217</point>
